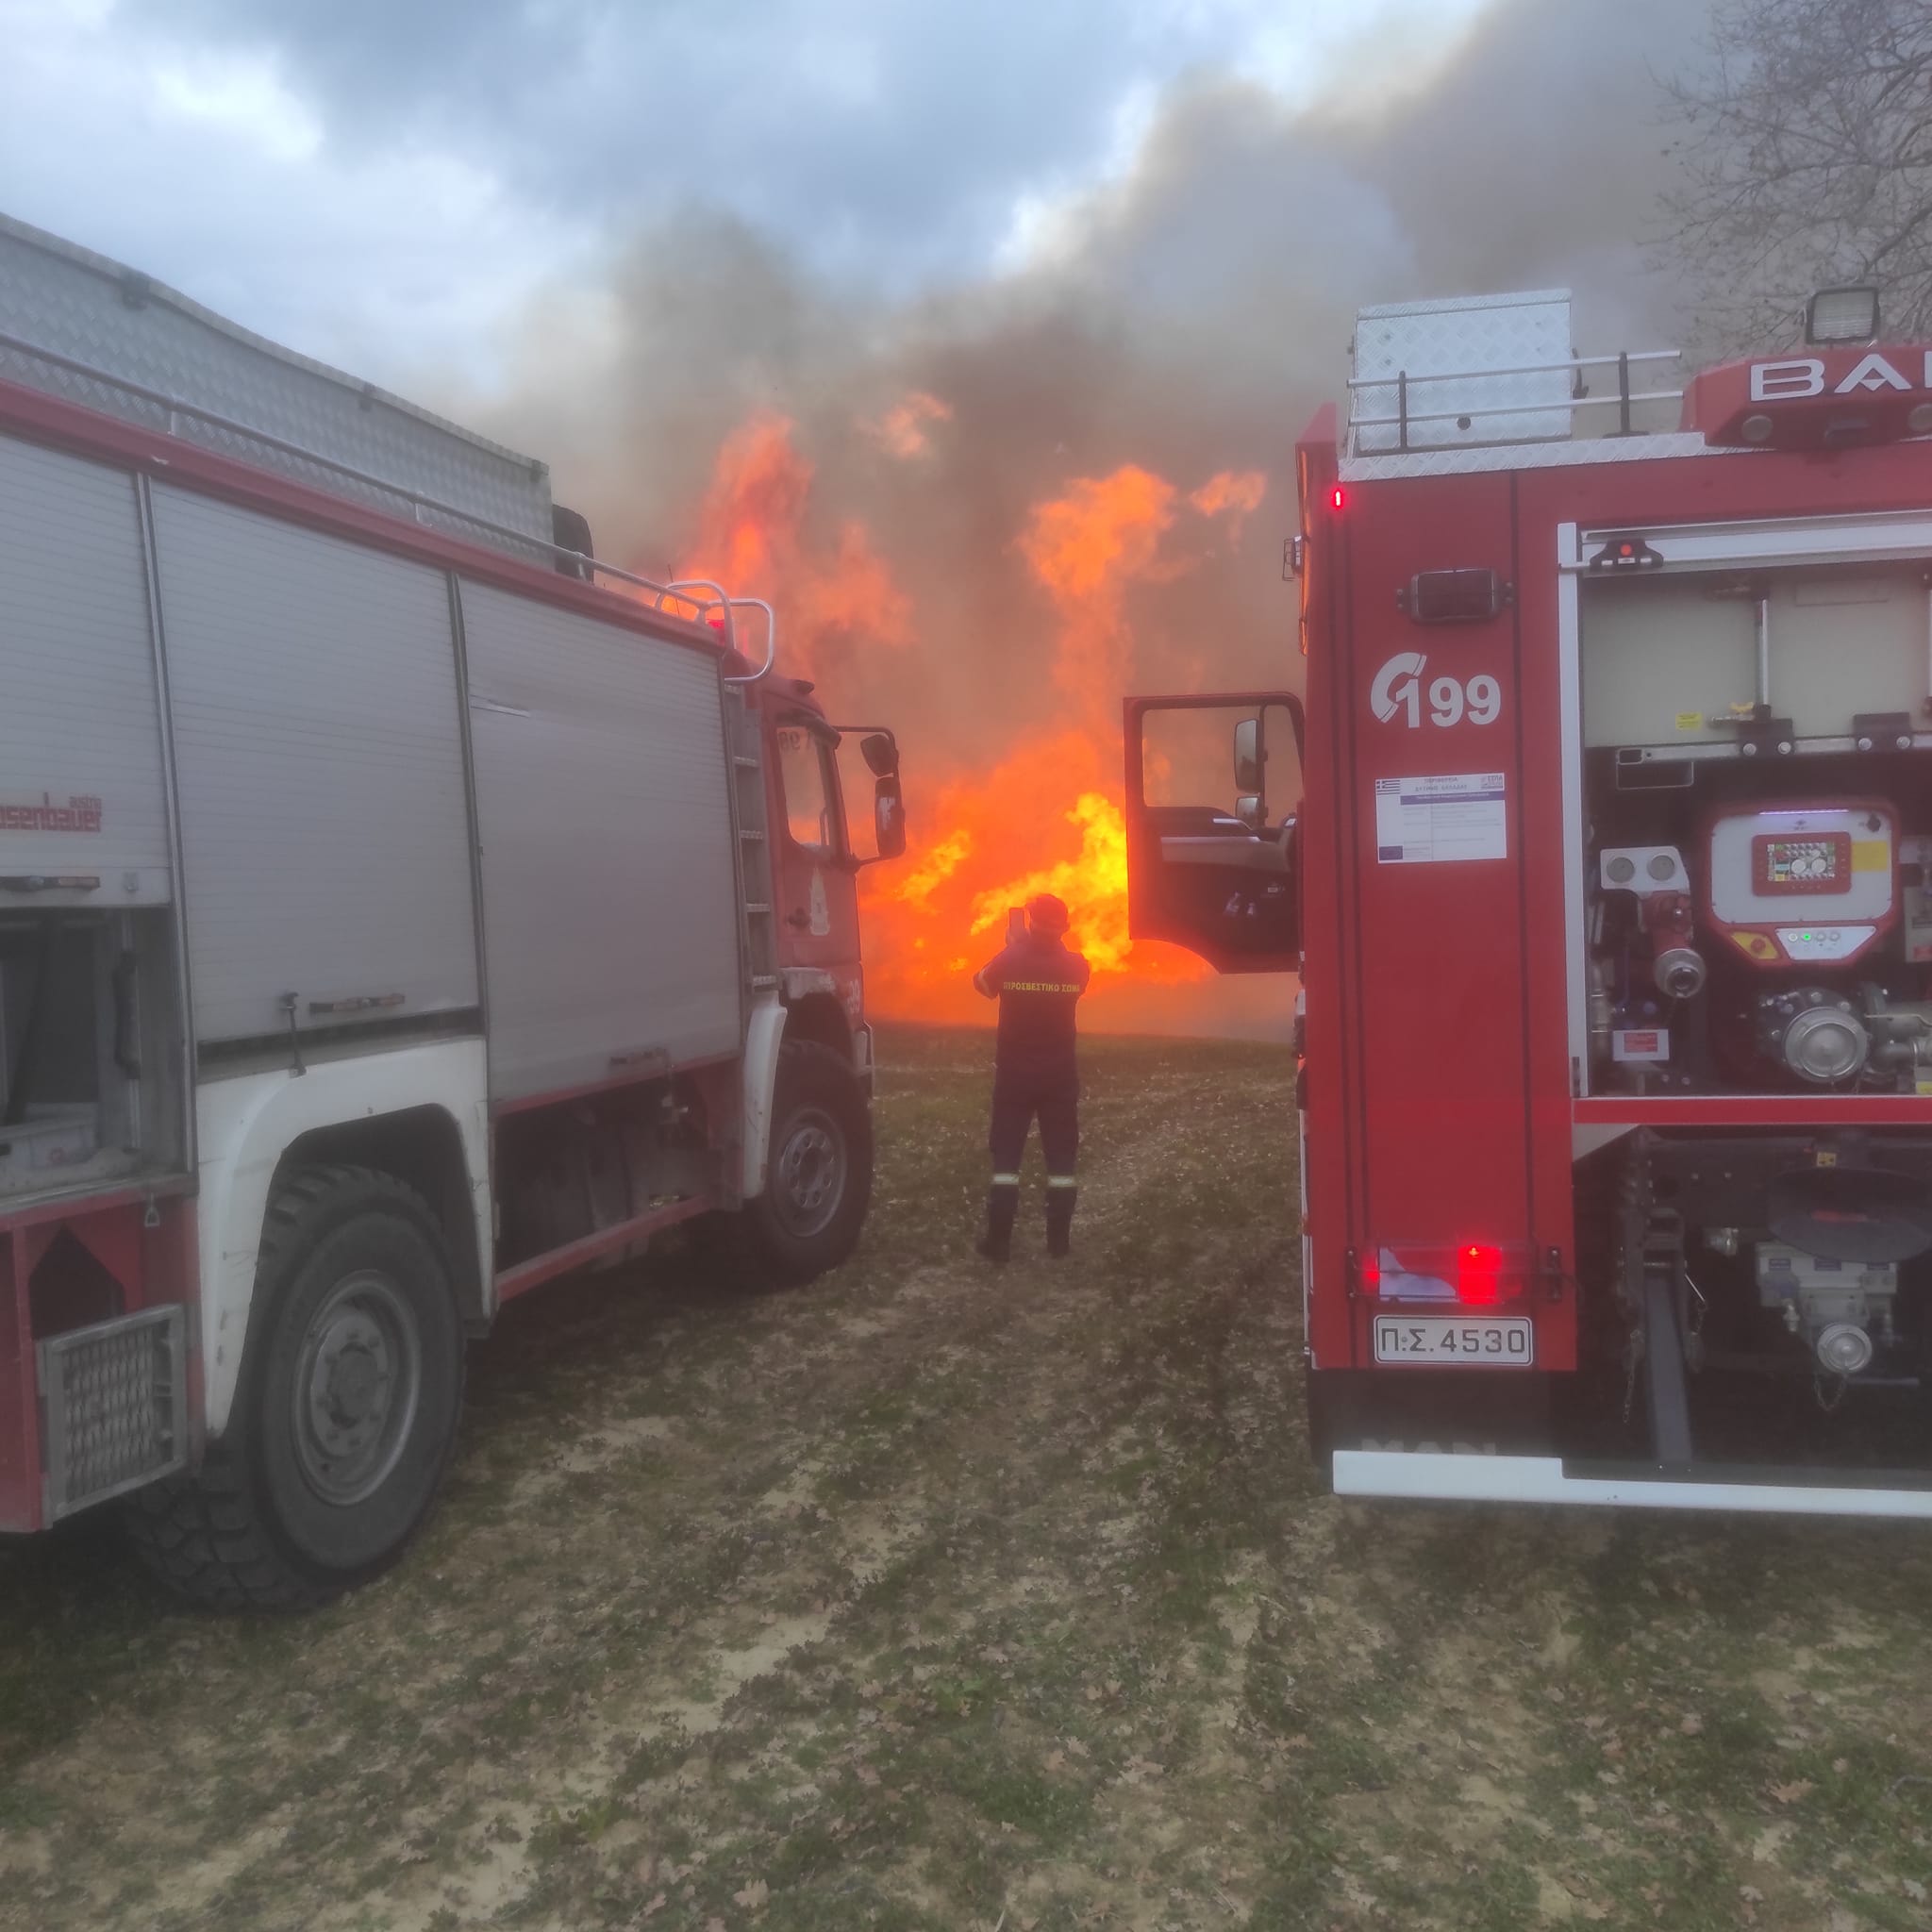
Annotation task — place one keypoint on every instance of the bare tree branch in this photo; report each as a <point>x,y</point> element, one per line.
<point>1806,151</point>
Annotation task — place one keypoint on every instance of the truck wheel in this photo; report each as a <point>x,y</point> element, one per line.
<point>351,1387</point>
<point>818,1183</point>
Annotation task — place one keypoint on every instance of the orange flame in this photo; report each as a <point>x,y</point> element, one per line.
<point>1047,819</point>
<point>1085,549</point>
<point>832,598</point>
<point>1095,879</point>
<point>1235,494</point>
<point>939,863</point>
<point>903,430</point>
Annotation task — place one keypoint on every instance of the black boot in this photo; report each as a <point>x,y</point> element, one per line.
<point>1059,1218</point>
<point>1002,1209</point>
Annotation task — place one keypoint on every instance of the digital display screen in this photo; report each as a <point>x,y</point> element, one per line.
<point>1808,862</point>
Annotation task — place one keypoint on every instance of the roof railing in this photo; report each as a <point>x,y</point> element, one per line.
<point>699,594</point>
<point>1624,399</point>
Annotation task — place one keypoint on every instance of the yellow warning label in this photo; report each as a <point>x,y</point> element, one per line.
<point>1690,721</point>
<point>1871,855</point>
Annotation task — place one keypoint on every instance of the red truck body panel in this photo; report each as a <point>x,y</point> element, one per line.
<point>1441,1105</point>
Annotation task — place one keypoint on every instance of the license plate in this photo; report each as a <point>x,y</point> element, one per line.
<point>1502,1342</point>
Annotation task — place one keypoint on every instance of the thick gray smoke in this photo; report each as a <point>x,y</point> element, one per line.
<point>1188,319</point>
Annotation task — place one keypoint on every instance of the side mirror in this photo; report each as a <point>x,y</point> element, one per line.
<point>1249,756</point>
<point>880,754</point>
<point>887,815</point>
<point>1250,810</point>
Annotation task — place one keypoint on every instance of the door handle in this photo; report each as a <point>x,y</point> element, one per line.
<point>797,918</point>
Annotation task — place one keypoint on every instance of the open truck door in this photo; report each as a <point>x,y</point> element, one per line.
<point>1214,796</point>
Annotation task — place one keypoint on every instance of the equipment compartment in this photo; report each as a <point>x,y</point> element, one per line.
<point>1757,821</point>
<point>90,1050</point>
<point>1686,661</point>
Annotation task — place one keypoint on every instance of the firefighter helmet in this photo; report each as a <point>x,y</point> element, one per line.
<point>1047,915</point>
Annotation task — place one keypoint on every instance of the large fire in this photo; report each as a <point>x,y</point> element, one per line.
<point>1047,817</point>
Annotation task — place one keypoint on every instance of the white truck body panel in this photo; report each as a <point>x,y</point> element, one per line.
<point>247,1123</point>
<point>763,1037</point>
<point>319,743</point>
<point>76,620</point>
<point>604,811</point>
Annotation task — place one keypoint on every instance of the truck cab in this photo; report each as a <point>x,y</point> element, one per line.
<point>822,843</point>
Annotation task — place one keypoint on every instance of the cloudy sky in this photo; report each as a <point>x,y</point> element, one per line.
<point>1101,232</point>
<point>387,183</point>
<point>1095,240</point>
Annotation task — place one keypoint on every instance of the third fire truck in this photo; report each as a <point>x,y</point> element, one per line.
<point>1601,838</point>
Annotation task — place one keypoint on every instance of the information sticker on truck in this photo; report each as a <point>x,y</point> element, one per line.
<point>1435,820</point>
<point>1505,1342</point>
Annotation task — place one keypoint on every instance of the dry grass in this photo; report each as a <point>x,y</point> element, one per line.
<point>936,1598</point>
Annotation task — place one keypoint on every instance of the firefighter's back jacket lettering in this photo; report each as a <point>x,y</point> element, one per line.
<point>1037,981</point>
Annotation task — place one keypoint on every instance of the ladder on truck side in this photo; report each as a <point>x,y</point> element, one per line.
<point>757,927</point>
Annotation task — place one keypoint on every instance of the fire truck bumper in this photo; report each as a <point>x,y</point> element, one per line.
<point>1478,1479</point>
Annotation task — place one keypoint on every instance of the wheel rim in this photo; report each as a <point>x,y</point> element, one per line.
<point>810,1177</point>
<point>358,1380</point>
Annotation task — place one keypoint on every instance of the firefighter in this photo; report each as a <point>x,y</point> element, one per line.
<point>1038,979</point>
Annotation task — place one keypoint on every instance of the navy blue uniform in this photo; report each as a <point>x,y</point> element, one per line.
<point>1037,980</point>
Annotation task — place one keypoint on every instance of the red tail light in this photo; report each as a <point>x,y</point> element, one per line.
<point>1465,1274</point>
<point>1478,1272</point>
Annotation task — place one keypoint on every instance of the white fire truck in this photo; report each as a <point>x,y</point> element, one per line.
<point>1611,888</point>
<point>393,918</point>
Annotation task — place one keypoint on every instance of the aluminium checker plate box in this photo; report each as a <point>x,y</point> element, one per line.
<point>92,310</point>
<point>1447,348</point>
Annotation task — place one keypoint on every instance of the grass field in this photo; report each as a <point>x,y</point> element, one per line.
<point>945,1598</point>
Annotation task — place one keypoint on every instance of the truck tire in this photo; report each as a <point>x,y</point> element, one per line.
<point>818,1182</point>
<point>346,1414</point>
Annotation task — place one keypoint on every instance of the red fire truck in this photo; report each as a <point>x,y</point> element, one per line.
<point>1607,869</point>
<point>393,919</point>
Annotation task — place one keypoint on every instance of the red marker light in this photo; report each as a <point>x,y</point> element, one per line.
<point>1478,1272</point>
<point>1337,497</point>
<point>1371,1272</point>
